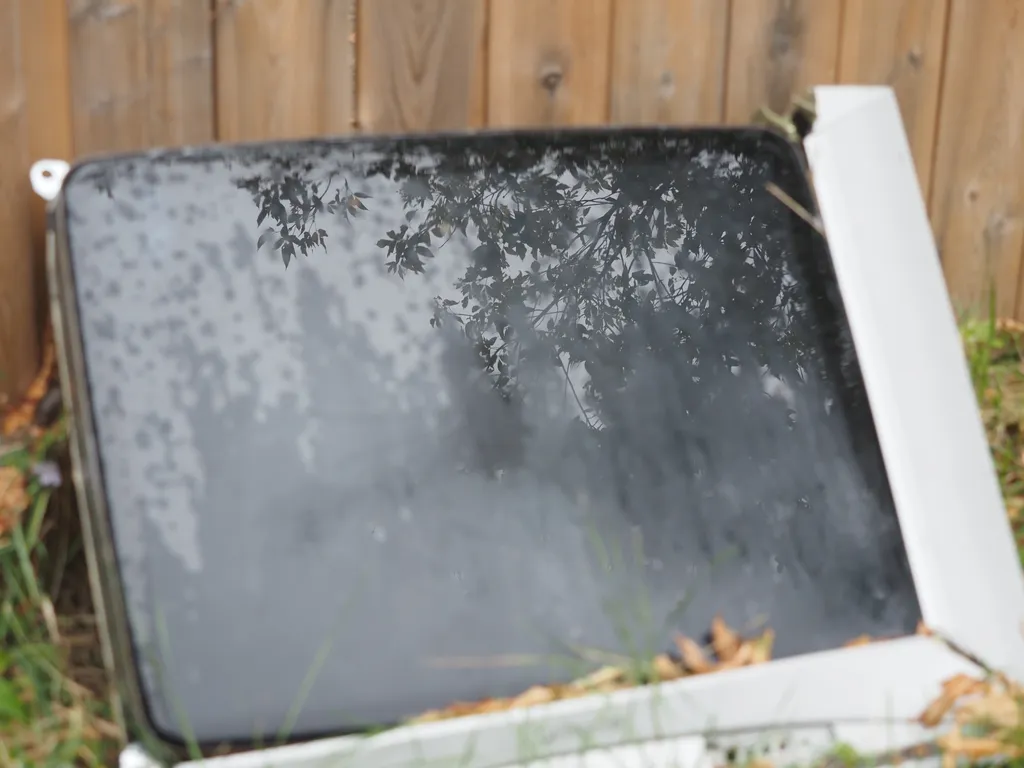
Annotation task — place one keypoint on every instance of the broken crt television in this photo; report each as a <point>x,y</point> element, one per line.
<point>370,427</point>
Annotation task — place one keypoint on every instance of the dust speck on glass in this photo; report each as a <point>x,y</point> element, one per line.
<point>391,402</point>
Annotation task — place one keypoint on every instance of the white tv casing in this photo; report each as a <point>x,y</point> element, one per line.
<point>960,548</point>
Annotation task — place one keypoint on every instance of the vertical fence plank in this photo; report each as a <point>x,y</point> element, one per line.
<point>900,43</point>
<point>548,62</point>
<point>44,57</point>
<point>108,66</point>
<point>668,61</point>
<point>422,65</point>
<point>141,73</point>
<point>978,182</point>
<point>284,68</point>
<point>180,59</point>
<point>778,48</point>
<point>19,342</point>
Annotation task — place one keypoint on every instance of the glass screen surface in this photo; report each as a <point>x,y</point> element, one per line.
<point>370,410</point>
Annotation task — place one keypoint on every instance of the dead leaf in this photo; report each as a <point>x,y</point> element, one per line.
<point>858,641</point>
<point>601,678</point>
<point>963,685</point>
<point>975,748</point>
<point>692,655</point>
<point>922,629</point>
<point>731,651</point>
<point>20,418</point>
<point>1015,506</point>
<point>743,656</point>
<point>538,694</point>
<point>666,668</point>
<point>937,710</point>
<point>13,497</point>
<point>1008,325</point>
<point>952,689</point>
<point>724,639</point>
<point>998,709</point>
<point>763,647</point>
<point>430,716</point>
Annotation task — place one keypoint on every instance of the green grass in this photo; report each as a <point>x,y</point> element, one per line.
<point>995,355</point>
<point>53,692</point>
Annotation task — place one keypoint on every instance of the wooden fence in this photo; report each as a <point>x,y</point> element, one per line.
<point>84,76</point>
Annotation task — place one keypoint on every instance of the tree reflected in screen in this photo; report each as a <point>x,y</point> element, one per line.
<point>471,397</point>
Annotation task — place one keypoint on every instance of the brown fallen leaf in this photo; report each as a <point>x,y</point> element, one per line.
<point>975,748</point>
<point>692,655</point>
<point>1008,325</point>
<point>923,629</point>
<point>571,691</point>
<point>20,418</point>
<point>858,641</point>
<point>538,694</point>
<point>763,647</point>
<point>1015,506</point>
<point>731,651</point>
<point>601,678</point>
<point>937,710</point>
<point>996,709</point>
<point>952,689</point>
<point>724,640</point>
<point>13,498</point>
<point>666,668</point>
<point>743,656</point>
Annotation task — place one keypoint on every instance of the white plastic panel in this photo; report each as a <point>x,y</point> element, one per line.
<point>958,540</point>
<point>882,686</point>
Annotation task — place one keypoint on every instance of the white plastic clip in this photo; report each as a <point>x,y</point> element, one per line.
<point>47,176</point>
<point>134,756</point>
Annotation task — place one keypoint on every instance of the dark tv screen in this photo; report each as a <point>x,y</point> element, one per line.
<point>368,405</point>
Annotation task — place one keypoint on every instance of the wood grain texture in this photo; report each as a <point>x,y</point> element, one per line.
<point>422,65</point>
<point>668,61</point>
<point>284,68</point>
<point>141,73</point>
<point>900,43</point>
<point>779,48</point>
<point>977,198</point>
<point>548,62</point>
<point>19,339</point>
<point>47,71</point>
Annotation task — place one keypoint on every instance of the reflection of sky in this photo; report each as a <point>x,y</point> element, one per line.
<point>273,437</point>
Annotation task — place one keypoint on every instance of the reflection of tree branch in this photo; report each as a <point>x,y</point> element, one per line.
<point>576,397</point>
<point>581,285</point>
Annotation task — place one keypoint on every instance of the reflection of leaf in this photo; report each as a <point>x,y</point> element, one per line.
<point>629,269</point>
